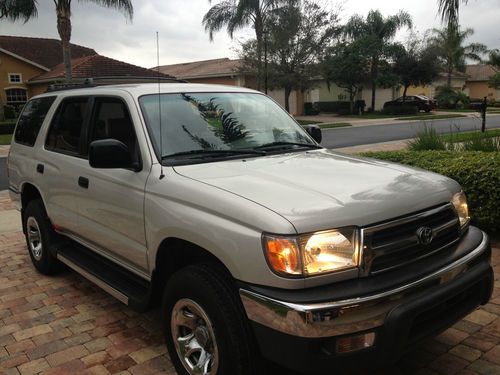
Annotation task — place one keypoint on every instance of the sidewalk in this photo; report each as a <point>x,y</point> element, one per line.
<point>4,151</point>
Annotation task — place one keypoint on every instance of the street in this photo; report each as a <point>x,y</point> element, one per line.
<point>361,135</point>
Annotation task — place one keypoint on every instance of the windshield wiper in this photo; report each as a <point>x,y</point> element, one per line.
<point>213,153</point>
<point>284,144</point>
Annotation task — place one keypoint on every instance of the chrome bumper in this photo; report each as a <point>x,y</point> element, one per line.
<point>346,316</point>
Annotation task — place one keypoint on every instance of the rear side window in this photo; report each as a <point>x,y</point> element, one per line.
<point>65,133</point>
<point>31,120</point>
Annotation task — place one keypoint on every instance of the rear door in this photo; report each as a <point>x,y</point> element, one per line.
<point>62,158</point>
<point>111,206</point>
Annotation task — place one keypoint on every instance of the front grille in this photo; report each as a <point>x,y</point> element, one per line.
<point>396,243</point>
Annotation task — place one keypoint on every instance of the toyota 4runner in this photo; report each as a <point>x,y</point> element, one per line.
<point>258,241</point>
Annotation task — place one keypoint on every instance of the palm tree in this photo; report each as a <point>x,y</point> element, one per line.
<point>26,9</point>
<point>449,43</point>
<point>236,14</point>
<point>14,10</point>
<point>449,10</point>
<point>376,33</point>
<point>63,10</point>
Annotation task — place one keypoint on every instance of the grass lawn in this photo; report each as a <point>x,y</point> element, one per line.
<point>430,117</point>
<point>369,116</point>
<point>307,122</point>
<point>490,109</point>
<point>5,139</point>
<point>467,136</point>
<point>334,125</point>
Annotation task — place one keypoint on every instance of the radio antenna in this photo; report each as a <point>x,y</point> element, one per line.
<point>162,175</point>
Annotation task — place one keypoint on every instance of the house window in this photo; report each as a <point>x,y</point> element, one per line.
<point>16,96</point>
<point>15,78</point>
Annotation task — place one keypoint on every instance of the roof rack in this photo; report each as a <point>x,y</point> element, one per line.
<point>101,81</point>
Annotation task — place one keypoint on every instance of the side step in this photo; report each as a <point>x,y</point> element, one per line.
<point>117,281</point>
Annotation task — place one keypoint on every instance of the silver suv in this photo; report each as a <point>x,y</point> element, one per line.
<point>259,242</point>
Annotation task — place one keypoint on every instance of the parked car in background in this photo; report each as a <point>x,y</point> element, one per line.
<point>422,102</point>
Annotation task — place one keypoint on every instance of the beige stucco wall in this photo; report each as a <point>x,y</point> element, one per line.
<point>9,64</point>
<point>479,90</point>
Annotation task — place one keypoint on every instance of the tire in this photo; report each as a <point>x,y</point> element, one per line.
<point>40,237</point>
<point>209,288</point>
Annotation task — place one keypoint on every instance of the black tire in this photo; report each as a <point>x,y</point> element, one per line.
<point>43,259</point>
<point>211,288</point>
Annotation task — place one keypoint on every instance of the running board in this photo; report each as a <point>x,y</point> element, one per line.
<point>125,286</point>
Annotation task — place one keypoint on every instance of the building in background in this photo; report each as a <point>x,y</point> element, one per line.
<point>477,82</point>
<point>23,58</point>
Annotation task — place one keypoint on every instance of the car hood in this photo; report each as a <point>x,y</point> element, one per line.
<point>322,189</point>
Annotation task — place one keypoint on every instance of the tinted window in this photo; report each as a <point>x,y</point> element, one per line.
<point>112,120</point>
<point>66,130</point>
<point>31,120</point>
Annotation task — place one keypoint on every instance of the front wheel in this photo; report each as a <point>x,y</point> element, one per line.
<point>205,328</point>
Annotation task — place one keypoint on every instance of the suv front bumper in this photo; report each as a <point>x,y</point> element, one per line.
<point>303,336</point>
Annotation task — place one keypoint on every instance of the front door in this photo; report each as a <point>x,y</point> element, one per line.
<point>111,206</point>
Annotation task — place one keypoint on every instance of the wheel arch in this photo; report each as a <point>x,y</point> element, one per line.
<point>175,253</point>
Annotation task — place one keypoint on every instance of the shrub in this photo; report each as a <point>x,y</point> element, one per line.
<point>310,109</point>
<point>447,97</point>
<point>427,139</point>
<point>9,112</point>
<point>334,107</point>
<point>7,127</point>
<point>477,172</point>
<point>399,110</point>
<point>480,143</point>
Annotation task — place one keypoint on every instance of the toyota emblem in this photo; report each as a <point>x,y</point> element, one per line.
<point>425,235</point>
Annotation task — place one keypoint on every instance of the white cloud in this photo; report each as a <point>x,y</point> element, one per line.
<point>182,37</point>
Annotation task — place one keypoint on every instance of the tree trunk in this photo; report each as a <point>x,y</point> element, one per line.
<point>404,94</point>
<point>259,33</point>
<point>288,91</point>
<point>63,9</point>
<point>374,74</point>
<point>448,78</point>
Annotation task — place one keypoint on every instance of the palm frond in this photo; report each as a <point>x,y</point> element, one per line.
<point>14,10</point>
<point>449,10</point>
<point>219,16</point>
<point>124,6</point>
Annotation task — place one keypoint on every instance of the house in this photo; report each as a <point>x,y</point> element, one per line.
<point>101,69</point>
<point>23,58</point>
<point>477,82</point>
<point>225,71</point>
<point>458,83</point>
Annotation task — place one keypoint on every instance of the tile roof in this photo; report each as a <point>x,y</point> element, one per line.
<point>42,51</point>
<point>201,69</point>
<point>98,66</point>
<point>480,72</point>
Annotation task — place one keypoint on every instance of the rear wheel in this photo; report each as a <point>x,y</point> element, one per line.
<point>39,237</point>
<point>205,327</point>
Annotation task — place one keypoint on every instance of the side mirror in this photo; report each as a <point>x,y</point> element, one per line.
<point>109,153</point>
<point>315,132</point>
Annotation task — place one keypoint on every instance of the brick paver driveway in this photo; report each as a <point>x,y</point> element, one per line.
<point>65,325</point>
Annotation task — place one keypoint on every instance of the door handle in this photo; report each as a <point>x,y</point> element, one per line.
<point>40,168</point>
<point>83,182</point>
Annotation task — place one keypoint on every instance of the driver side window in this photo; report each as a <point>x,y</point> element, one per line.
<point>111,120</point>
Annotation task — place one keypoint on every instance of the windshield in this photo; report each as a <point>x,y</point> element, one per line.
<point>195,124</point>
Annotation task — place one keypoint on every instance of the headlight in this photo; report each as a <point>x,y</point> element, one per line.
<point>312,254</point>
<point>459,201</point>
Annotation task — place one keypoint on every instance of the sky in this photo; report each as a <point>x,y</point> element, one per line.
<point>183,39</point>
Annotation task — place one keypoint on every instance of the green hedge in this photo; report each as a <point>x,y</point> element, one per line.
<point>398,110</point>
<point>7,127</point>
<point>334,107</point>
<point>477,172</point>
